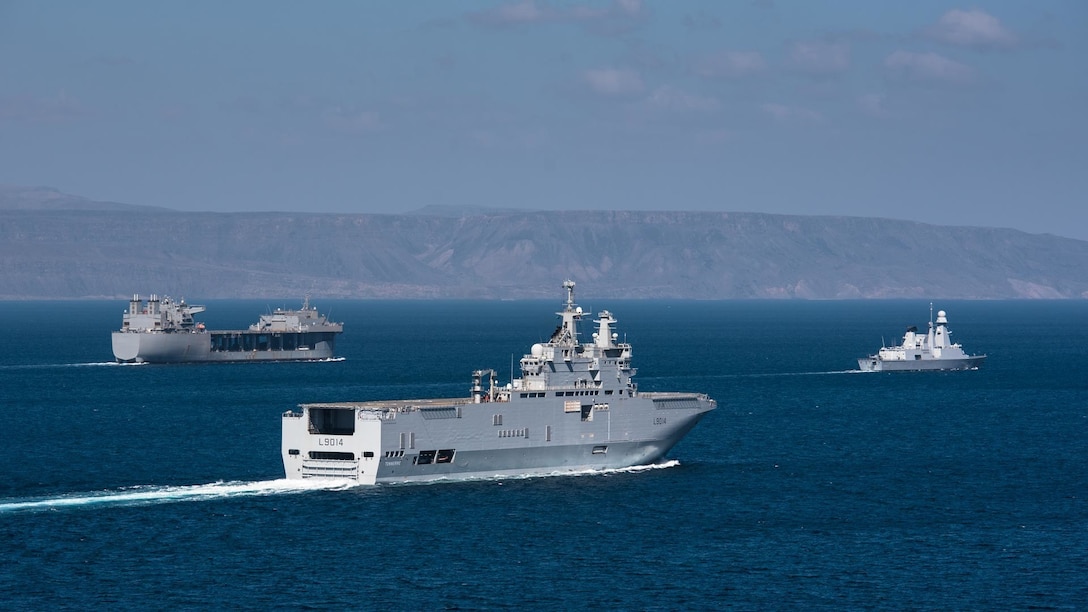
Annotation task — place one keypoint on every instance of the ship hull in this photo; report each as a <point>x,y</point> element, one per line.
<point>402,443</point>
<point>187,347</point>
<point>575,408</point>
<point>875,364</point>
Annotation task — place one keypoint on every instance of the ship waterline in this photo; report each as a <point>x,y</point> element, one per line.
<point>164,331</point>
<point>933,350</point>
<point>575,408</point>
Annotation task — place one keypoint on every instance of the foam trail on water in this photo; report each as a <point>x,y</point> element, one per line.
<point>144,495</point>
<point>97,364</point>
<point>634,469</point>
<point>500,478</point>
<point>150,494</point>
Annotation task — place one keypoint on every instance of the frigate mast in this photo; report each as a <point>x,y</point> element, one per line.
<point>567,332</point>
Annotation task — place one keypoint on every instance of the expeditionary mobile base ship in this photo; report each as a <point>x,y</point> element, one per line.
<point>575,408</point>
<point>931,351</point>
<point>164,331</point>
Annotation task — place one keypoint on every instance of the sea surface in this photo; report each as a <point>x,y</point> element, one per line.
<point>812,486</point>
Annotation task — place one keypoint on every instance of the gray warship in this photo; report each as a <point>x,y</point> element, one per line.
<point>161,330</point>
<point>575,408</point>
<point>933,350</point>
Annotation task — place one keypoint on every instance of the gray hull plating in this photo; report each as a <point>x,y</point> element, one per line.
<point>869,364</point>
<point>933,350</point>
<point>575,408</point>
<point>181,347</point>
<point>164,331</point>
<point>401,441</point>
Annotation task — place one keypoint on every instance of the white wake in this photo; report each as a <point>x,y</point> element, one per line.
<point>144,495</point>
<point>151,494</point>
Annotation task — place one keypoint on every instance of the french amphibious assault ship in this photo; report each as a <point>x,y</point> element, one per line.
<point>931,351</point>
<point>574,408</point>
<point>164,331</point>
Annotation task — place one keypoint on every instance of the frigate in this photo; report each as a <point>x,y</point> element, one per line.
<point>575,408</point>
<point>161,330</point>
<point>933,350</point>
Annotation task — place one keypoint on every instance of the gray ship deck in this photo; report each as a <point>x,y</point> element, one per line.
<point>413,404</point>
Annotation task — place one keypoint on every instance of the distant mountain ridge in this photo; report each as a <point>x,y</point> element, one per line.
<point>15,197</point>
<point>55,246</point>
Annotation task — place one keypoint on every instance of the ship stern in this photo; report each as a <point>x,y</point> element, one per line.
<point>331,442</point>
<point>869,364</point>
<point>126,347</point>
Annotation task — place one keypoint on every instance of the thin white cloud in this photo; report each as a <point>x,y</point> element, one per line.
<point>614,82</point>
<point>245,104</point>
<point>731,64</point>
<point>792,114</point>
<point>702,21</point>
<point>114,60</point>
<point>629,7</point>
<point>928,67</point>
<point>530,12</point>
<point>507,14</point>
<point>974,28</point>
<point>873,104</point>
<point>31,109</point>
<point>580,13</point>
<point>820,58</point>
<point>350,121</point>
<point>484,138</point>
<point>507,138</point>
<point>672,99</point>
<point>713,136</point>
<point>618,9</point>
<point>174,113</point>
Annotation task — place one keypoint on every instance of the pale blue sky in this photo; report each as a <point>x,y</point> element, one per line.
<point>942,112</point>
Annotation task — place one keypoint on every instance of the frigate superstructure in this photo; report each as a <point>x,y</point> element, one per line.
<point>575,407</point>
<point>161,330</point>
<point>933,350</point>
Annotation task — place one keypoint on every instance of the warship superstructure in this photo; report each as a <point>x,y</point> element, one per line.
<point>161,330</point>
<point>933,350</point>
<point>575,407</point>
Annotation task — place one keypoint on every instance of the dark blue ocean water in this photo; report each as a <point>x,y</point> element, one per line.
<point>811,486</point>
